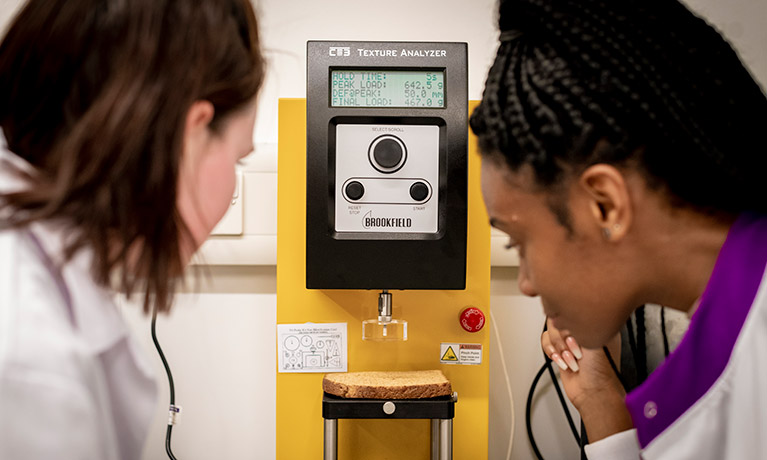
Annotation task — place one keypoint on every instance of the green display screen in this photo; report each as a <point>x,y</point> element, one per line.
<point>387,88</point>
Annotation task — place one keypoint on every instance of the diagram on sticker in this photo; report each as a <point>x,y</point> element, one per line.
<point>312,347</point>
<point>460,353</point>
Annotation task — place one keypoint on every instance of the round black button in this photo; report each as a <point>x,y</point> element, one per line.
<point>388,153</point>
<point>354,190</point>
<point>419,191</point>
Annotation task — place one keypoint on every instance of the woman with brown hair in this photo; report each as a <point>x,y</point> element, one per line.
<point>121,126</point>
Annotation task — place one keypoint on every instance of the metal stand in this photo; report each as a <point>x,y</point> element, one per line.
<point>440,410</point>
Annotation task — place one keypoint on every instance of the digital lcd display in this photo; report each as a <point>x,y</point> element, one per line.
<point>387,88</point>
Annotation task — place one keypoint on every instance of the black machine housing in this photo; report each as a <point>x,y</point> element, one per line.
<point>394,258</point>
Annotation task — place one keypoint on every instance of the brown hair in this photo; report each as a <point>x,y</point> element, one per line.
<point>94,94</point>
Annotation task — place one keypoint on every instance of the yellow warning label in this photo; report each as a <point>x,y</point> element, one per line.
<point>449,355</point>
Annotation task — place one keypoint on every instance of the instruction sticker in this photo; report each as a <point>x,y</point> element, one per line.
<point>460,353</point>
<point>311,347</point>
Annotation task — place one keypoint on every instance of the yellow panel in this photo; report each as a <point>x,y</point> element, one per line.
<point>432,318</point>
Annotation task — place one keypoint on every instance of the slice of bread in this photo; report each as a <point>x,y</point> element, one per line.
<point>388,385</point>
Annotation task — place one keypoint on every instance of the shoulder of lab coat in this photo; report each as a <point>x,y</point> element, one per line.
<point>73,384</point>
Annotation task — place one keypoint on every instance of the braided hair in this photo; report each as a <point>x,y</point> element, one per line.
<point>636,83</point>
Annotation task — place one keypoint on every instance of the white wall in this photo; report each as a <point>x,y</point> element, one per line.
<point>287,25</point>
<point>220,342</point>
<point>220,348</point>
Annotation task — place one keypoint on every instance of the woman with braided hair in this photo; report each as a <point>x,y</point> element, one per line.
<point>623,153</point>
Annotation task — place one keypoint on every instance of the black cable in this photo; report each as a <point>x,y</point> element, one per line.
<point>584,441</point>
<point>640,359</point>
<point>528,411</point>
<point>528,408</point>
<point>170,382</point>
<point>615,368</point>
<point>663,330</point>
<point>555,382</point>
<point>581,439</point>
<point>638,347</point>
<point>632,341</point>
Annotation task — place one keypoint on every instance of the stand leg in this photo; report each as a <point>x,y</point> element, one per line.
<point>331,439</point>
<point>435,439</point>
<point>446,439</point>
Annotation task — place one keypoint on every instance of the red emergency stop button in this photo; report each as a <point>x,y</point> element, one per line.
<point>472,319</point>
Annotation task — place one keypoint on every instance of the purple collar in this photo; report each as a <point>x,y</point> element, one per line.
<point>702,355</point>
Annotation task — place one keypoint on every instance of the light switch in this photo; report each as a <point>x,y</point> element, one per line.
<point>231,223</point>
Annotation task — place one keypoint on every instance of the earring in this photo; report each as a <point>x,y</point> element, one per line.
<point>606,233</point>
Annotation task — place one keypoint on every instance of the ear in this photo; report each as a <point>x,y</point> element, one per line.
<point>609,200</point>
<point>196,131</point>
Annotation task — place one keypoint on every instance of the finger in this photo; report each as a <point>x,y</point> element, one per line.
<point>560,362</point>
<point>571,361</point>
<point>546,345</point>
<point>574,347</point>
<point>551,351</point>
<point>556,338</point>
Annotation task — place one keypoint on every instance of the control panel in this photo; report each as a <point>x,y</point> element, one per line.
<point>392,186</point>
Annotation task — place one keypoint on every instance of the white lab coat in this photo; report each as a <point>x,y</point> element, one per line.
<point>707,400</point>
<point>73,383</point>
